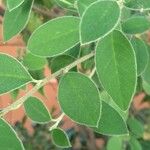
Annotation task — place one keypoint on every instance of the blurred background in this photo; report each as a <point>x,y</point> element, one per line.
<point>36,136</point>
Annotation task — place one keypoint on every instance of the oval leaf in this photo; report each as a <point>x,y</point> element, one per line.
<point>36,110</point>
<point>136,127</point>
<point>68,4</point>
<point>116,68</point>
<point>63,33</point>
<point>136,25</point>
<point>146,73</point>
<point>83,4</point>
<point>115,143</point>
<point>12,4</point>
<point>111,122</point>
<point>142,56</point>
<point>33,62</point>
<point>60,138</point>
<point>99,19</point>
<point>12,74</point>
<point>79,99</point>
<point>8,138</point>
<point>60,62</point>
<point>135,144</point>
<point>137,4</point>
<point>15,20</point>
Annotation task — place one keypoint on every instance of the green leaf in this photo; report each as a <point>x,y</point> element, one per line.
<point>136,25</point>
<point>146,87</point>
<point>60,62</point>
<point>12,74</point>
<point>111,122</point>
<point>76,101</point>
<point>63,34</point>
<point>8,138</point>
<point>16,20</point>
<point>115,143</point>
<point>60,138</point>
<point>135,144</point>
<point>137,4</point>
<point>68,4</point>
<point>142,56</point>
<point>12,4</point>
<point>99,19</point>
<point>136,127</point>
<point>83,4</point>
<point>33,62</point>
<point>146,73</point>
<point>74,52</point>
<point>36,110</point>
<point>116,68</point>
<point>106,98</point>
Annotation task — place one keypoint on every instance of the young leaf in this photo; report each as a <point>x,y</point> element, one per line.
<point>142,56</point>
<point>33,62</point>
<point>12,74</point>
<point>115,143</point>
<point>79,99</point>
<point>74,52</point>
<point>99,19</point>
<point>136,127</point>
<point>146,73</point>
<point>68,4</point>
<point>83,4</point>
<point>61,62</point>
<point>111,123</point>
<point>146,87</point>
<point>12,4</point>
<point>15,20</point>
<point>8,138</point>
<point>60,138</point>
<point>116,68</point>
<point>137,4</point>
<point>135,144</point>
<point>36,110</point>
<point>63,34</point>
<point>136,25</point>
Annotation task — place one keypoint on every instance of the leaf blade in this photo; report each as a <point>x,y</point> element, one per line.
<point>36,110</point>
<point>8,137</point>
<point>63,35</point>
<point>18,16</point>
<point>12,74</point>
<point>72,92</point>
<point>111,71</point>
<point>93,25</point>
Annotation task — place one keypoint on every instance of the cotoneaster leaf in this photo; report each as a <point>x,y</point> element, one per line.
<point>63,34</point>
<point>8,138</point>
<point>36,110</point>
<point>111,123</point>
<point>12,4</point>
<point>99,19</point>
<point>142,56</point>
<point>79,99</point>
<point>67,4</point>
<point>83,4</point>
<point>137,4</point>
<point>60,138</point>
<point>116,68</point>
<point>136,25</point>
<point>146,73</point>
<point>16,20</point>
<point>115,143</point>
<point>12,74</point>
<point>33,62</point>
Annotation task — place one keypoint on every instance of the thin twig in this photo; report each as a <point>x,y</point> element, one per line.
<point>43,82</point>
